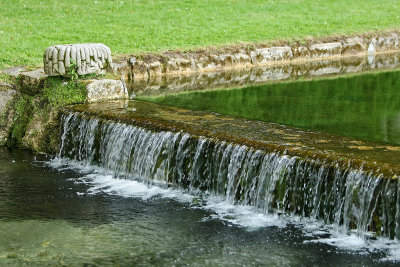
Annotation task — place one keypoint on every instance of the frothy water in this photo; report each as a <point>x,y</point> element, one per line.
<point>337,205</point>
<point>248,217</point>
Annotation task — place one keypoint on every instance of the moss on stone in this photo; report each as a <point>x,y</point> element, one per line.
<point>35,123</point>
<point>6,119</point>
<point>6,78</point>
<point>59,92</point>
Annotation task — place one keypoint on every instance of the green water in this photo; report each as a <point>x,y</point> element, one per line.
<point>363,106</point>
<point>51,218</point>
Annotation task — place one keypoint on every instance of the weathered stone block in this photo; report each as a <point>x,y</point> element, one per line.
<point>123,68</point>
<point>210,64</point>
<point>140,69</point>
<point>31,82</point>
<point>385,43</point>
<point>265,55</point>
<point>155,68</point>
<point>215,62</point>
<point>180,65</point>
<point>241,58</point>
<point>200,62</point>
<point>301,52</point>
<point>80,58</point>
<point>7,95</point>
<point>98,90</point>
<point>225,60</point>
<point>326,50</point>
<point>352,46</point>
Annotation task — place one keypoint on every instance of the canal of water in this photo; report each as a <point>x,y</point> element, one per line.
<point>363,106</point>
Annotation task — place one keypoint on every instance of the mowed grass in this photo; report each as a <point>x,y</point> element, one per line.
<point>27,27</point>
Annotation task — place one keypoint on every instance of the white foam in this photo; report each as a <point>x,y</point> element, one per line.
<point>100,181</point>
<point>128,188</point>
<point>348,242</point>
<point>393,252</point>
<point>362,245</point>
<point>241,215</point>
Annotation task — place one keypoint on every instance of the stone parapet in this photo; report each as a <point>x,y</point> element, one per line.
<point>169,84</point>
<point>244,56</point>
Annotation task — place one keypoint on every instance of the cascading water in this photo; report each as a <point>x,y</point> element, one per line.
<point>271,182</point>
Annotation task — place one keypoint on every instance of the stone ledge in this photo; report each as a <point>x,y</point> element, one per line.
<point>106,89</point>
<point>31,82</point>
<point>176,63</point>
<point>265,55</point>
<point>326,50</point>
<point>14,72</point>
<point>156,85</point>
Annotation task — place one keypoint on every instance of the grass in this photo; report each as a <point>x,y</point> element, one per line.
<point>27,27</point>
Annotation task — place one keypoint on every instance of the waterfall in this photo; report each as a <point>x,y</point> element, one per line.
<point>270,181</point>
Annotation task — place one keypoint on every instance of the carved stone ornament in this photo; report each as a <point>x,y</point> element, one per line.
<point>67,60</point>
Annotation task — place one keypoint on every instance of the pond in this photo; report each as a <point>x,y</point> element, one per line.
<point>365,106</point>
<point>58,212</point>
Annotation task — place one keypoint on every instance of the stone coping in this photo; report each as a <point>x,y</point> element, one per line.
<point>236,78</point>
<point>377,158</point>
<point>247,56</point>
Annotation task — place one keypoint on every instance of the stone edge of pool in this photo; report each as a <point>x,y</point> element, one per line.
<point>253,55</point>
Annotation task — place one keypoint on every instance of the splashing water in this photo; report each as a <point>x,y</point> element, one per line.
<point>272,183</point>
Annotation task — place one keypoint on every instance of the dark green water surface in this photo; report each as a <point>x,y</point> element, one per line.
<point>50,217</point>
<point>363,106</point>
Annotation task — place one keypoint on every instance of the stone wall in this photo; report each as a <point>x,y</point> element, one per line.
<point>32,83</point>
<point>169,84</point>
<point>244,56</point>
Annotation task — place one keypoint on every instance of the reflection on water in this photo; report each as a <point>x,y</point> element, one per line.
<point>364,106</point>
<point>53,217</point>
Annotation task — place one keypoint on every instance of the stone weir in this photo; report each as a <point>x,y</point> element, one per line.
<point>276,169</point>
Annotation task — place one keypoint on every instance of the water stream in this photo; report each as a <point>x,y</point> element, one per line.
<point>356,201</point>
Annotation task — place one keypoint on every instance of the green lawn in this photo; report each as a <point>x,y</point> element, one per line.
<point>27,27</point>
